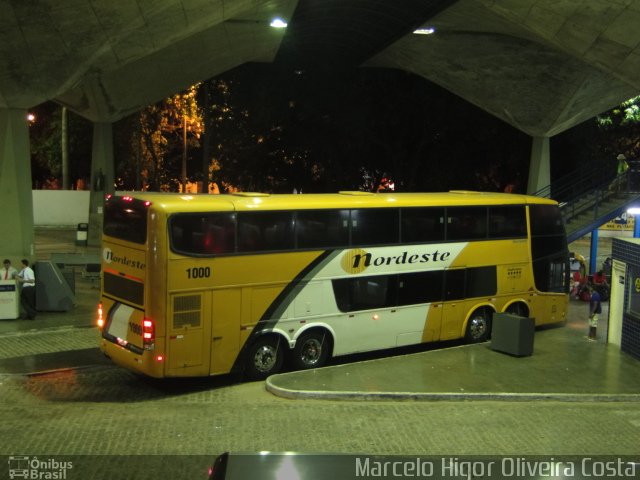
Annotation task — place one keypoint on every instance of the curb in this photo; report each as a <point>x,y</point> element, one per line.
<point>448,396</point>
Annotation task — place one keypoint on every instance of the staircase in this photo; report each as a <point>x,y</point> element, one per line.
<point>593,195</point>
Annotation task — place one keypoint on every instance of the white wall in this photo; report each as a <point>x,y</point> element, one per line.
<point>60,207</point>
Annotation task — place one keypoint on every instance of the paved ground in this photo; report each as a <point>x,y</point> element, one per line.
<point>102,410</point>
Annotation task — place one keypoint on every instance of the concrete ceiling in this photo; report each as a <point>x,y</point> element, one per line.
<point>107,58</point>
<point>541,65</point>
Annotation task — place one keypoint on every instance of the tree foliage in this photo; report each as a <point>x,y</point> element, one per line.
<point>151,157</point>
<point>598,141</point>
<point>45,131</point>
<point>622,123</point>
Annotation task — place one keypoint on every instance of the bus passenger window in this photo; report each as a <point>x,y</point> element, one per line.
<point>422,225</point>
<point>322,228</point>
<point>202,233</point>
<point>375,226</point>
<point>219,234</point>
<point>454,284</point>
<point>481,282</point>
<point>265,231</point>
<point>421,287</point>
<point>507,222</point>
<point>466,223</point>
<point>365,293</point>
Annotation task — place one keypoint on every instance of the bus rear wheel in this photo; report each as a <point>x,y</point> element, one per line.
<point>478,326</point>
<point>264,358</point>
<point>311,350</point>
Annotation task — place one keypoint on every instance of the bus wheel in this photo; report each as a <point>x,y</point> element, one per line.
<point>519,309</point>
<point>264,358</point>
<point>479,326</point>
<point>312,350</point>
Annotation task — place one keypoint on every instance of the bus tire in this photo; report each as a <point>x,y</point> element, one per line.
<point>479,326</point>
<point>265,357</point>
<point>312,350</point>
<point>518,308</point>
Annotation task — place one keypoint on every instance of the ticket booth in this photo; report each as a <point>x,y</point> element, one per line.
<point>9,300</point>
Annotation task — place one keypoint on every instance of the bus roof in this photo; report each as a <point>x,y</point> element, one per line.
<point>246,201</point>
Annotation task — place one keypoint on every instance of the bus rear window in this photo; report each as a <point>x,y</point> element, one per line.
<point>125,218</point>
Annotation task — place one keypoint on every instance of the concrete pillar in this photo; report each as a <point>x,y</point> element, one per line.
<point>16,200</point>
<point>102,178</point>
<point>540,165</point>
<point>616,303</point>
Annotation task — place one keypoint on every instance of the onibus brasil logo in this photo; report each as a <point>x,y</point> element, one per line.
<point>35,468</point>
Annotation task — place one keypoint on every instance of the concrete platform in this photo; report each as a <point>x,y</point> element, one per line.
<point>565,365</point>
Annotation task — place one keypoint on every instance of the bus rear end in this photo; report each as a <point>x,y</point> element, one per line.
<point>128,330</point>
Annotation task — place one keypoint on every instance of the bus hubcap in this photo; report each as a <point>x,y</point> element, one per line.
<point>311,352</point>
<point>478,327</point>
<point>265,358</point>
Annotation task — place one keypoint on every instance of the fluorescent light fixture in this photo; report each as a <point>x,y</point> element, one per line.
<point>424,31</point>
<point>278,23</point>
<point>633,211</point>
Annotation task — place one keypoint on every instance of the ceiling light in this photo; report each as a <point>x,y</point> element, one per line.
<point>278,23</point>
<point>424,31</point>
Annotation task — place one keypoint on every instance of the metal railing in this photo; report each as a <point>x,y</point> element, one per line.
<point>593,195</point>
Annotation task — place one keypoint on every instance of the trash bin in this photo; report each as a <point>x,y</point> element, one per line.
<point>82,234</point>
<point>512,334</point>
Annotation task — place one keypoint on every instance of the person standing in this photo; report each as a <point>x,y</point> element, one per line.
<point>7,272</point>
<point>623,166</point>
<point>27,278</point>
<point>595,309</point>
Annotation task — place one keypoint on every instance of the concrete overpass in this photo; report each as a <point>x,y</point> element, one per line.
<point>543,66</point>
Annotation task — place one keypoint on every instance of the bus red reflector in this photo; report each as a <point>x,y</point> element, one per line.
<point>159,358</point>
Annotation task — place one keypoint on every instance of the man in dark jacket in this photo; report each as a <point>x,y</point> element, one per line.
<point>595,309</point>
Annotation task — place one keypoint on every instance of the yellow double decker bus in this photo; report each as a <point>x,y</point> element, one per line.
<point>197,285</point>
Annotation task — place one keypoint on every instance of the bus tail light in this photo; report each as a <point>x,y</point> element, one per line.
<point>148,334</point>
<point>100,312</point>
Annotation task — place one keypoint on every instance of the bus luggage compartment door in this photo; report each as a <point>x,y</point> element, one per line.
<point>187,334</point>
<point>225,329</point>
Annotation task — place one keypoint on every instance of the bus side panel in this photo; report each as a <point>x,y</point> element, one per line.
<point>433,325</point>
<point>188,333</point>
<point>549,308</point>
<point>510,251</point>
<point>514,278</point>
<point>225,331</point>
